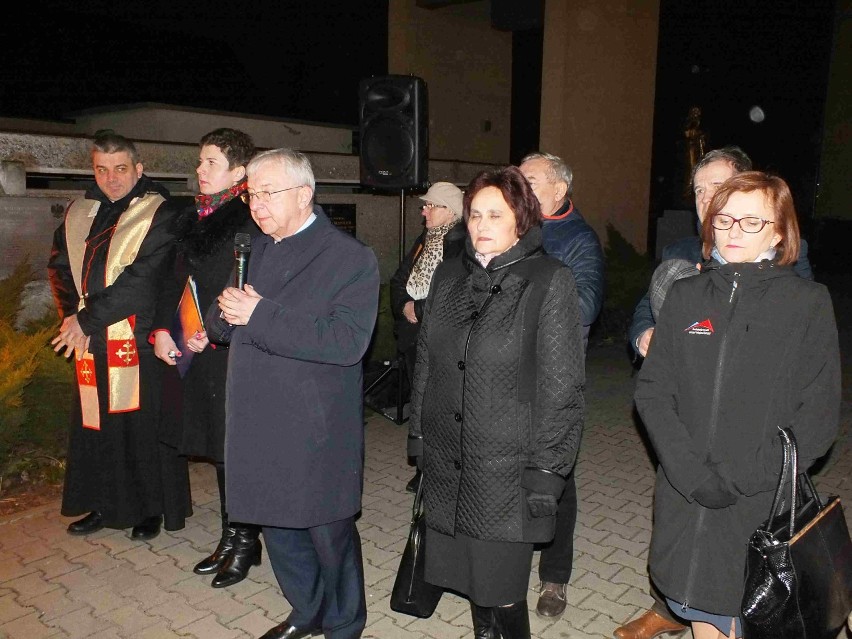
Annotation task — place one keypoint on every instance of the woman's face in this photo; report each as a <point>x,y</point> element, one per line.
<point>213,172</point>
<point>737,246</point>
<point>491,224</point>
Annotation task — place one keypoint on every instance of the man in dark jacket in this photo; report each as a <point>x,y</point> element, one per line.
<point>567,237</point>
<point>294,444</point>
<point>108,258</point>
<point>711,172</point>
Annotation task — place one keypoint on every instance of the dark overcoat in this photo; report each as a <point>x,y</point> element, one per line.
<point>294,448</point>
<point>739,351</point>
<point>497,403</point>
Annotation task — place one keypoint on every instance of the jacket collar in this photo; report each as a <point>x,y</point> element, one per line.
<point>528,245</point>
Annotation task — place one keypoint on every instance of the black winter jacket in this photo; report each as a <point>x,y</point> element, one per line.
<point>406,332</point>
<point>497,402</point>
<point>739,351</point>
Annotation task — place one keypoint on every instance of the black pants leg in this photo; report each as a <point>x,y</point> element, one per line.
<point>557,557</point>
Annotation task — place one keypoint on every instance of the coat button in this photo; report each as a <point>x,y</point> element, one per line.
<point>457,417</point>
<point>457,464</point>
<point>495,289</point>
<point>474,315</point>
<point>461,366</point>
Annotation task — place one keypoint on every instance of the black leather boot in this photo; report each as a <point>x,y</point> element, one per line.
<point>513,621</point>
<point>245,554</point>
<point>484,623</point>
<point>215,561</point>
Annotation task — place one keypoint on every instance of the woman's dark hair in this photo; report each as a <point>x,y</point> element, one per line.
<point>235,145</point>
<point>777,197</point>
<point>516,191</point>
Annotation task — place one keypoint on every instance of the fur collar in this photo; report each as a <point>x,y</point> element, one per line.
<point>203,238</point>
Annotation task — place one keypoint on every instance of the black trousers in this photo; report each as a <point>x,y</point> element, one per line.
<point>557,557</point>
<point>321,573</point>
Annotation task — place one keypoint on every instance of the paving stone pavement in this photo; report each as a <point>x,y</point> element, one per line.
<point>106,585</point>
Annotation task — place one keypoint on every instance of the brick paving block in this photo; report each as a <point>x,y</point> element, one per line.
<point>269,600</point>
<point>54,565</point>
<point>589,532</point>
<point>254,623</point>
<point>75,547</point>
<point>614,515</point>
<point>635,548</point>
<point>600,568</point>
<point>557,631</point>
<point>641,521</point>
<point>643,537</point>
<point>227,608</point>
<point>603,625</point>
<point>166,573</point>
<point>605,587</point>
<point>245,589</point>
<point>100,600</point>
<point>13,535</point>
<point>12,568</point>
<point>574,617</point>
<point>10,608</point>
<point>198,537</point>
<point>160,630</point>
<point>609,525</point>
<point>54,604</point>
<point>98,561</point>
<point>29,553</point>
<point>184,554</point>
<point>130,619</point>
<point>27,627</point>
<point>612,502</point>
<point>374,574</point>
<point>209,628</point>
<point>386,629</point>
<point>437,628</point>
<point>78,581</point>
<point>379,537</point>
<point>599,551</point>
<point>83,623</point>
<point>194,590</point>
<point>635,597</point>
<point>380,557</point>
<point>31,585</point>
<point>632,578</point>
<point>621,558</point>
<point>141,557</point>
<point>615,611</point>
<point>118,542</point>
<point>574,594</point>
<point>177,612</point>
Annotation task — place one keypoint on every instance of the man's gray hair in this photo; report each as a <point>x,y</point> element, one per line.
<point>296,165</point>
<point>733,155</point>
<point>557,170</point>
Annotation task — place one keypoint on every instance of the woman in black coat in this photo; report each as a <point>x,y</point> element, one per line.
<point>442,239</point>
<point>194,408</point>
<point>497,404</point>
<point>741,350</point>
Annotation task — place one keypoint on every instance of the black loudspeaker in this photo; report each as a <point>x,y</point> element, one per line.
<point>394,132</point>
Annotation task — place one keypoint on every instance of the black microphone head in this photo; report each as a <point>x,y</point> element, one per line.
<point>242,243</point>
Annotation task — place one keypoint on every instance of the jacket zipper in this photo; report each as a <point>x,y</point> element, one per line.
<point>714,419</point>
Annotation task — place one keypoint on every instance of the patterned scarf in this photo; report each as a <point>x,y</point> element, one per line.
<point>207,204</point>
<point>427,261</point>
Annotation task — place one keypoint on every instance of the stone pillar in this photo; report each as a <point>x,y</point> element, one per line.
<point>13,178</point>
<point>597,106</point>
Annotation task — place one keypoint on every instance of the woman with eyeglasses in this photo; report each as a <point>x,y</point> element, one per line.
<point>442,238</point>
<point>741,350</point>
<point>193,418</point>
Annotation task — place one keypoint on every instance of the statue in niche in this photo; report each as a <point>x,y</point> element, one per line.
<point>694,147</point>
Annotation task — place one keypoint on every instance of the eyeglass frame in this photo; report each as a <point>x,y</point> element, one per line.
<point>738,221</point>
<point>432,206</point>
<point>248,196</point>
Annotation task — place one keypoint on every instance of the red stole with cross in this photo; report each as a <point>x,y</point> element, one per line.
<point>122,355</point>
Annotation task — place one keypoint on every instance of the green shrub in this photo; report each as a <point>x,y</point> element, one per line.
<point>628,274</point>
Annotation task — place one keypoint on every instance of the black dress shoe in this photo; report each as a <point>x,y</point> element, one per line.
<point>285,630</point>
<point>88,524</point>
<point>148,529</point>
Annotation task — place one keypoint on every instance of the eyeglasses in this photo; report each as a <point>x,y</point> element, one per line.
<point>748,224</point>
<point>264,196</point>
<point>431,205</point>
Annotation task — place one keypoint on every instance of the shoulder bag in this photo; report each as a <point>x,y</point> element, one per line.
<point>798,580</point>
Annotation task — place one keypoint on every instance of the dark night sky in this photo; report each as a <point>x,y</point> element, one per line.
<point>287,58</point>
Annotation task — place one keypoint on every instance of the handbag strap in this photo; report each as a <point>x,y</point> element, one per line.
<point>779,491</point>
<point>417,506</point>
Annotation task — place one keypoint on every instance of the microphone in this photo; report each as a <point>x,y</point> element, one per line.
<point>242,248</point>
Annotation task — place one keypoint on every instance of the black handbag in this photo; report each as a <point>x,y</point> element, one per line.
<point>411,594</point>
<point>798,581</point>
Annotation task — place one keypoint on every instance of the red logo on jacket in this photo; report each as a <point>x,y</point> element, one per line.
<point>700,328</point>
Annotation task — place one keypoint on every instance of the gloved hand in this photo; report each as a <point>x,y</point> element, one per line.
<point>541,504</point>
<point>715,491</point>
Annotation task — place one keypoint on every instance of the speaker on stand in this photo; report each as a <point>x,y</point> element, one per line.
<point>394,156</point>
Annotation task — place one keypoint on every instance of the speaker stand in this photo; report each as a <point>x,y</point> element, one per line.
<point>394,366</point>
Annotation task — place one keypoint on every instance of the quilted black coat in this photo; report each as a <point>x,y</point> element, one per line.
<point>497,403</point>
